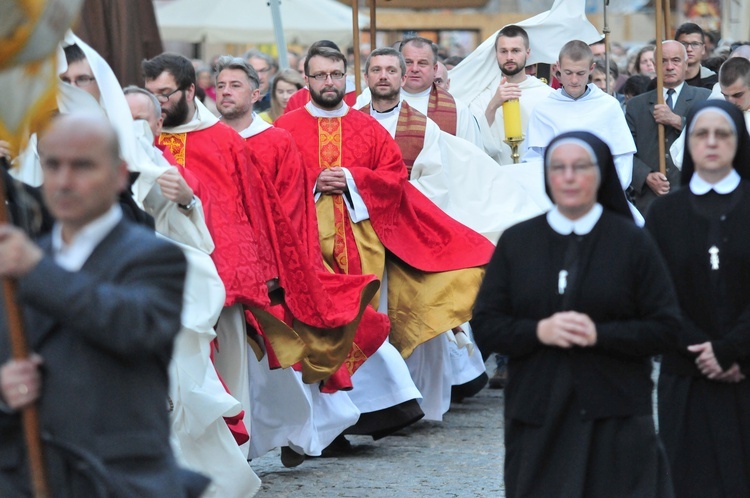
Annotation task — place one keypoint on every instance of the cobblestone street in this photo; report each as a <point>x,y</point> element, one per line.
<point>459,457</point>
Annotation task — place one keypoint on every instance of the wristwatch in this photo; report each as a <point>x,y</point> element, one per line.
<point>190,205</point>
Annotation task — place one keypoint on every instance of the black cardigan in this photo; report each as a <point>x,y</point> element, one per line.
<point>623,286</point>
<point>682,235</point>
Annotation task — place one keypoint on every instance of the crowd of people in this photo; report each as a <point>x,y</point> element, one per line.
<point>348,260</point>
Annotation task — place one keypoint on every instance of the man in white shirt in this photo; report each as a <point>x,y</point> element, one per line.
<point>103,299</point>
<point>644,113</point>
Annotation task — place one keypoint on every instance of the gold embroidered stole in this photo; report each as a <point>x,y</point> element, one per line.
<point>329,153</point>
<point>410,131</point>
<point>175,142</point>
<point>442,109</point>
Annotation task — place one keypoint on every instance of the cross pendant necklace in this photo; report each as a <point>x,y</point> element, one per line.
<point>713,258</point>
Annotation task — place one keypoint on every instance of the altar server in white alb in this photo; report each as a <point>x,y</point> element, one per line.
<point>512,51</point>
<point>478,79</point>
<point>580,105</point>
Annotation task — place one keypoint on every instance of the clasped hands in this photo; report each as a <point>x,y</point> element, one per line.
<point>566,329</point>
<point>331,181</point>
<point>709,365</point>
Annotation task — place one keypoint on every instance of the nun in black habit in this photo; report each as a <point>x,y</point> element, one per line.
<point>702,231</point>
<point>579,299</point>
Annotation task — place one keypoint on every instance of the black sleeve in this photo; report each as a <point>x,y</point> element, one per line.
<point>495,327</point>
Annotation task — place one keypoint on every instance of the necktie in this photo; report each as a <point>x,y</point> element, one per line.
<point>670,102</point>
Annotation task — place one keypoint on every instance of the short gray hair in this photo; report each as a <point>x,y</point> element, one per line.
<point>383,51</point>
<point>419,42</point>
<point>132,90</point>
<point>254,53</point>
<point>231,62</point>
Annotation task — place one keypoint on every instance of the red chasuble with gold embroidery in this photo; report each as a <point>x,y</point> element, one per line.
<point>280,165</point>
<point>407,223</point>
<point>256,242</point>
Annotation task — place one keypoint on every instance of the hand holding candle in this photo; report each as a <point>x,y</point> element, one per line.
<point>512,119</point>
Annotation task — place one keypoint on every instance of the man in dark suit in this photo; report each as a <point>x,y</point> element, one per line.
<point>643,114</point>
<point>101,300</point>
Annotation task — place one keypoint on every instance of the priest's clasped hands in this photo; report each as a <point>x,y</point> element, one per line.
<point>566,329</point>
<point>331,181</point>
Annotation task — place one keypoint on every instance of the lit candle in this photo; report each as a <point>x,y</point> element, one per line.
<point>512,119</point>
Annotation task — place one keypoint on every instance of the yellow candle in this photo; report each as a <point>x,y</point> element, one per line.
<point>512,119</point>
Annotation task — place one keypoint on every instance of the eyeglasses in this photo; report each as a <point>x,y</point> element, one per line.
<point>559,169</point>
<point>336,75</point>
<point>719,134</point>
<point>263,70</point>
<point>80,81</point>
<point>164,97</point>
<point>692,45</point>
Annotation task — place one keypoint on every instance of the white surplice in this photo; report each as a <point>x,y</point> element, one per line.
<point>533,91</point>
<point>468,185</point>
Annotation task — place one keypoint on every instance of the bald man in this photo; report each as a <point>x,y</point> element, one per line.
<point>102,300</point>
<point>442,79</point>
<point>643,113</point>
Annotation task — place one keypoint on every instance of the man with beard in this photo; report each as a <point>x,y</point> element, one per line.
<point>298,431</point>
<point>433,160</point>
<point>302,96</point>
<point>258,253</point>
<point>364,206</point>
<point>422,94</point>
<point>511,50</point>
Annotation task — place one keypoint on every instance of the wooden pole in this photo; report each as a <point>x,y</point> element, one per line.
<point>373,27</point>
<point>660,82</point>
<point>20,350</point>
<point>355,29</point>
<point>606,31</point>
<point>668,33</point>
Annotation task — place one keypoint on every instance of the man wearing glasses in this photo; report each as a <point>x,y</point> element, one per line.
<point>79,73</point>
<point>266,68</point>
<point>371,220</point>
<point>251,232</point>
<point>693,39</point>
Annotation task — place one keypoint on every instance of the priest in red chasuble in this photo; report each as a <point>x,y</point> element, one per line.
<point>371,218</point>
<point>258,253</point>
<point>383,393</point>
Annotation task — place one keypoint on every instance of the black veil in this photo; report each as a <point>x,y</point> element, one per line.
<point>610,194</point>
